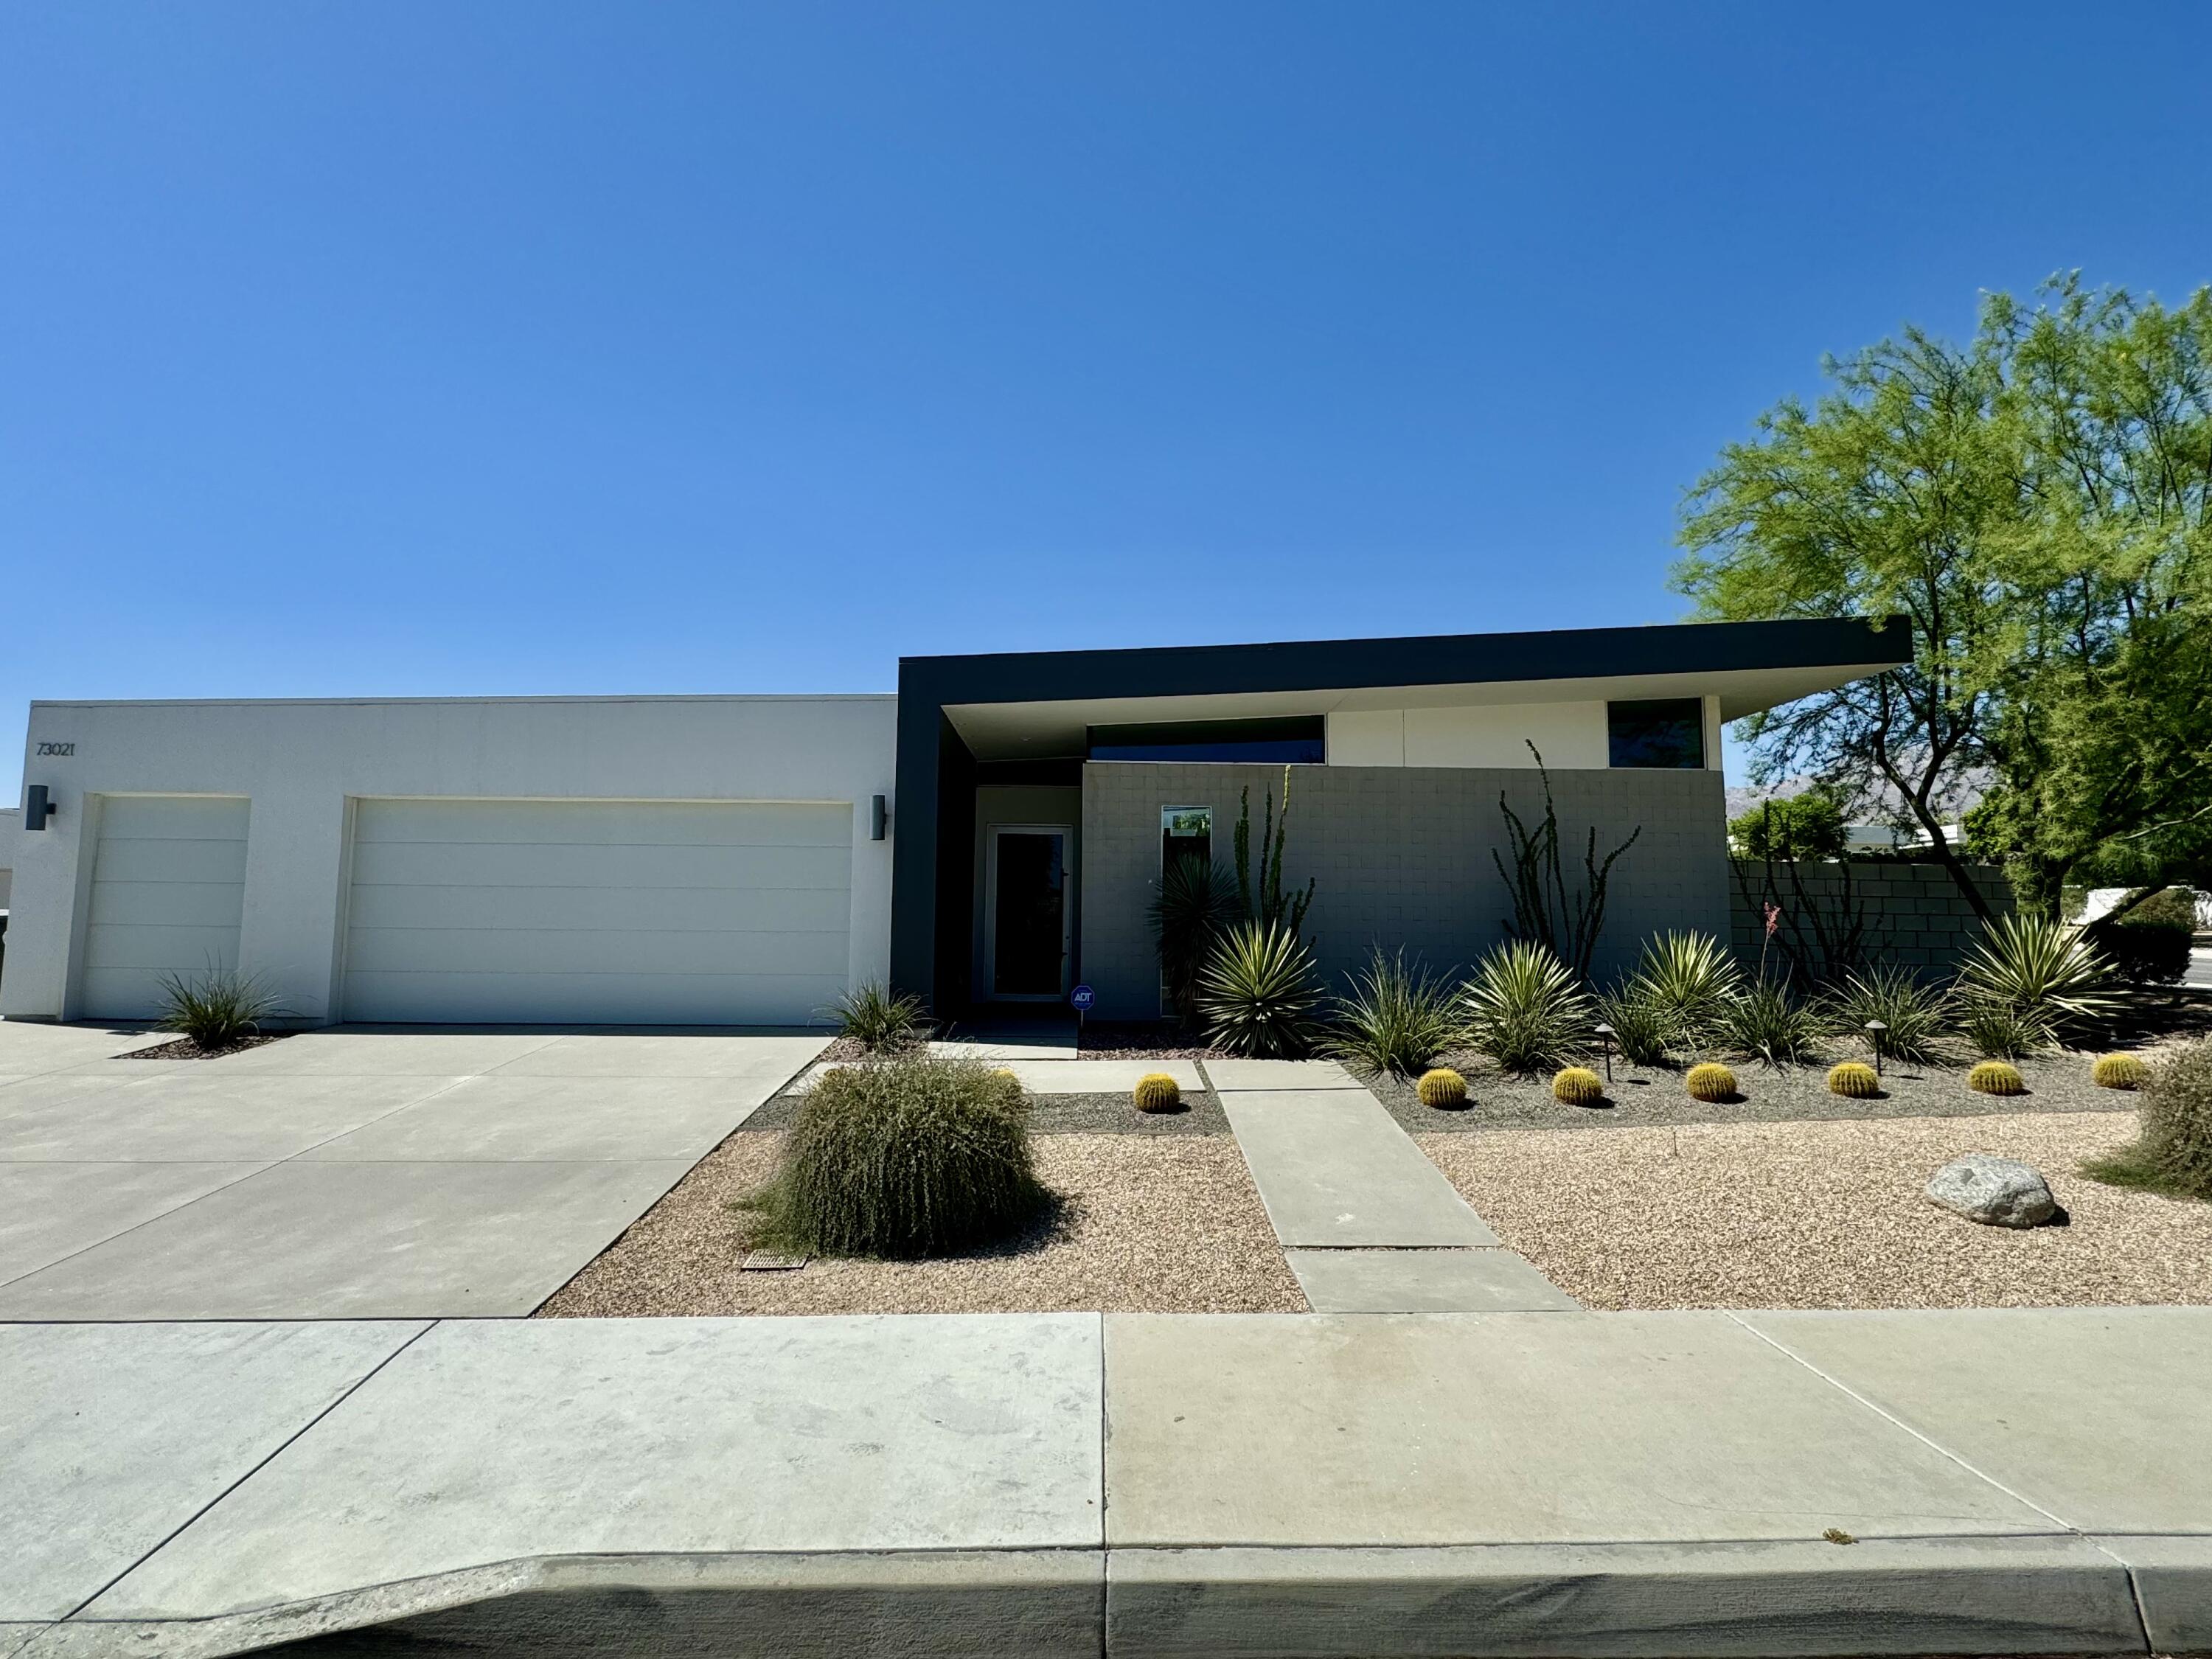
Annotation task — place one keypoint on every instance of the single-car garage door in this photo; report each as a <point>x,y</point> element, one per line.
<point>169,881</point>
<point>646,912</point>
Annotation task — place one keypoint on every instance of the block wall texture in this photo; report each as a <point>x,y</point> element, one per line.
<point>1401,856</point>
<point>1915,916</point>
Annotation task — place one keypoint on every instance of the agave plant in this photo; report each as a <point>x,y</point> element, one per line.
<point>1689,980</point>
<point>1641,1028</point>
<point>2042,973</point>
<point>1916,1013</point>
<point>1257,993</point>
<point>1768,1021</point>
<point>1524,1009</point>
<point>1997,1033</point>
<point>1394,1019</point>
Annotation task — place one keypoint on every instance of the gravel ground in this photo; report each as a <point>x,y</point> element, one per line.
<point>1824,1215</point>
<point>1149,1224</point>
<point>183,1048</point>
<point>1649,1095</point>
<point>1056,1114</point>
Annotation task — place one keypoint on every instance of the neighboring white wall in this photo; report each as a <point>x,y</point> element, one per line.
<point>300,764</point>
<point>1571,735</point>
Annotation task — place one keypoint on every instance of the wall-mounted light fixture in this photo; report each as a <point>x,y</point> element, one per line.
<point>38,806</point>
<point>879,817</point>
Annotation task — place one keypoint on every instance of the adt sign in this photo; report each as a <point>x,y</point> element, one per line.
<point>1082,999</point>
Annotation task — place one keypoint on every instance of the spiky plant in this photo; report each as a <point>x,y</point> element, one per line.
<point>1997,1077</point>
<point>1855,1081</point>
<point>1258,992</point>
<point>1711,1083</point>
<point>1641,1029</point>
<point>909,1156</point>
<point>879,1021</point>
<point>2044,972</point>
<point>218,1009</point>
<point>2118,1072</point>
<point>1523,1009</point>
<point>1156,1091</point>
<point>1999,1033</point>
<point>1768,1021</point>
<point>1195,900</point>
<point>1394,1019</point>
<point>1916,1014</point>
<point>1578,1085</point>
<point>1689,980</point>
<point>1443,1088</point>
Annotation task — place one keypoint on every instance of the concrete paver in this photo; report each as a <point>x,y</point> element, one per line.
<point>50,1211</point>
<point>758,1057</point>
<point>996,1051</point>
<point>206,1115</point>
<point>1335,1169</point>
<point>114,1436</point>
<point>2102,1416</point>
<point>505,1117</point>
<point>29,1047</point>
<point>370,1053</point>
<point>492,1443</point>
<point>1425,1281</point>
<point>2173,1578</point>
<point>1099,1077</point>
<point>1228,1075</point>
<point>1379,1430</point>
<point>304,1240</point>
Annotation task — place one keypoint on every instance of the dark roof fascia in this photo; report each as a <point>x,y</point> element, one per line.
<point>1438,659</point>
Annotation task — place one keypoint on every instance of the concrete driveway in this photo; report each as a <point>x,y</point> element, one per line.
<point>356,1173</point>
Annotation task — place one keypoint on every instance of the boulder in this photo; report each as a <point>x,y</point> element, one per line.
<point>1997,1192</point>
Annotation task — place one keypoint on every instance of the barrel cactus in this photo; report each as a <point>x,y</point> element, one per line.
<point>1997,1077</point>
<point>1855,1081</point>
<point>1442,1088</point>
<point>1710,1082</point>
<point>1157,1092</point>
<point>2119,1071</point>
<point>1577,1086</point>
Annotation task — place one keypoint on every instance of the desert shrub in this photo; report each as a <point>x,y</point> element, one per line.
<point>1523,1008</point>
<point>1768,1021</point>
<point>1689,980</point>
<point>1196,899</point>
<point>1394,1019</point>
<point>1807,826</point>
<point>1442,1088</point>
<point>1641,1029</point>
<point>1257,994</point>
<point>879,1021</point>
<point>1917,1014</point>
<point>2118,1072</point>
<point>1710,1082</point>
<point>1855,1081</point>
<point>2045,973</point>
<point>1578,1085</point>
<point>2150,945</point>
<point>2172,1150</point>
<point>218,1009</point>
<point>909,1156</point>
<point>1156,1091</point>
<point>1997,1077</point>
<point>2000,1034</point>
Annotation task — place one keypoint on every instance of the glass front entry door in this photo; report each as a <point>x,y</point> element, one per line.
<point>1029,922</point>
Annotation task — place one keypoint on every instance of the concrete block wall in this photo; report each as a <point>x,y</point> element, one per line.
<point>1915,916</point>
<point>1401,856</point>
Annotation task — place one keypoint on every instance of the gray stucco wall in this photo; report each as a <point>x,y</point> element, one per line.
<point>1916,917</point>
<point>1402,857</point>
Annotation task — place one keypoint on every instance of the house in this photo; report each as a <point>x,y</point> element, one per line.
<point>988,837</point>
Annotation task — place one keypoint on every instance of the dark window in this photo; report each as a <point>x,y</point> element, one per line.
<point>1669,733</point>
<point>1295,741</point>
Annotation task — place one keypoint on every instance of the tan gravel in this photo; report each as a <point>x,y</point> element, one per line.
<point>1823,1215</point>
<point>1151,1225</point>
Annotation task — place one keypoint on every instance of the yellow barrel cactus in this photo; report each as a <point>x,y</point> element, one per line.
<point>1710,1082</point>
<point>2119,1071</point>
<point>1997,1077</point>
<point>1156,1091</point>
<point>1855,1080</point>
<point>1578,1085</point>
<point>1441,1088</point>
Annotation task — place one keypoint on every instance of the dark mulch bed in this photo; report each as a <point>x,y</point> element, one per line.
<point>1641,1097</point>
<point>1060,1115</point>
<point>185,1048</point>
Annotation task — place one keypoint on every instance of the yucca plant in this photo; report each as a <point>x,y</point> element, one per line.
<point>910,1157</point>
<point>1395,1019</point>
<point>1768,1021</point>
<point>1916,1014</point>
<point>218,1009</point>
<point>1690,980</point>
<point>879,1021</point>
<point>1195,900</point>
<point>2044,973</point>
<point>1524,1009</point>
<point>1641,1029</point>
<point>1257,993</point>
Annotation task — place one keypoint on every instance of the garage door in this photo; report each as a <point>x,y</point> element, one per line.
<point>169,881</point>
<point>645,913</point>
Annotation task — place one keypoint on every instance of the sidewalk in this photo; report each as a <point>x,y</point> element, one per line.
<point>2031,1481</point>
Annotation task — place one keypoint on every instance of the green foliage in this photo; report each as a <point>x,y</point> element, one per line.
<point>1854,1079</point>
<point>2042,973</point>
<point>1524,1009</point>
<point>1443,1089</point>
<point>904,1157</point>
<point>1156,1091</point>
<point>1807,826</point>
<point>2172,1152</point>
<point>1546,912</point>
<point>879,1021</point>
<point>1710,1082</point>
<point>1395,1019</point>
<point>1273,910</point>
<point>1195,901</point>
<point>1997,1077</point>
<point>2149,940</point>
<point>1997,1031</point>
<point>1690,981</point>
<point>1257,994</point>
<point>1917,1014</point>
<point>1642,1029</point>
<point>1768,1021</point>
<point>218,1009</point>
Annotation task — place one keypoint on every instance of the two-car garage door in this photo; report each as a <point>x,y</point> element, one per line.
<point>608,912</point>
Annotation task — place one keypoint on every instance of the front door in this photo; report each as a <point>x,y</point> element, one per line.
<point>1029,922</point>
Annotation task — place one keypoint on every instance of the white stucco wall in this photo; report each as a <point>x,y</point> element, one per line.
<point>1571,736</point>
<point>301,763</point>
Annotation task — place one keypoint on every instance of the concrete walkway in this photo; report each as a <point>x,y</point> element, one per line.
<point>2018,1482</point>
<point>1368,1224</point>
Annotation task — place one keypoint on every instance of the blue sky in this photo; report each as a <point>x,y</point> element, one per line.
<point>421,348</point>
